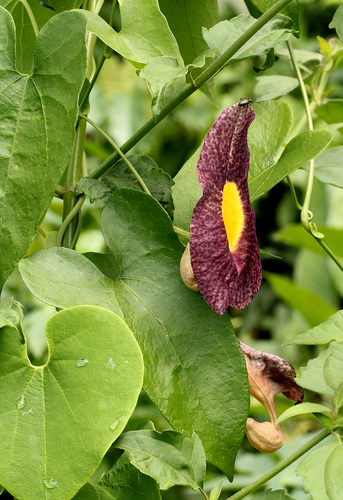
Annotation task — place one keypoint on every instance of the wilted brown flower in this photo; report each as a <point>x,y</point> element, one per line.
<point>268,375</point>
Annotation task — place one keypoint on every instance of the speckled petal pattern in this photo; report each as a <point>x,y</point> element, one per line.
<point>225,278</point>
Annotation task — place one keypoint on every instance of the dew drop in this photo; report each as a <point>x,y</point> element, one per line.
<point>29,412</point>
<point>114,425</point>
<point>110,363</point>
<point>51,484</point>
<point>20,403</point>
<point>81,362</point>
<point>126,361</point>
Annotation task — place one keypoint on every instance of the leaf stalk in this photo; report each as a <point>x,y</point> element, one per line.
<point>281,466</point>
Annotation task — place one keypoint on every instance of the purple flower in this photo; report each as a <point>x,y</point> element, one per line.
<point>223,245</point>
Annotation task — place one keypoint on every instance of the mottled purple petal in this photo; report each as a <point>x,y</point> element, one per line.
<point>225,276</point>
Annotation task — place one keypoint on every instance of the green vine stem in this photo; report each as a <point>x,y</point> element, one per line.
<point>203,78</point>
<point>69,218</point>
<point>73,175</point>
<point>74,169</point>
<point>306,214</point>
<point>119,152</point>
<point>281,466</point>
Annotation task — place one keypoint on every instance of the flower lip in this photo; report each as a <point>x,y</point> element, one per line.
<point>223,245</point>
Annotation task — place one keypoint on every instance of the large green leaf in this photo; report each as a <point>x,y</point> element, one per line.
<point>330,330</point>
<point>169,457</point>
<point>122,482</point>
<point>313,308</point>
<point>317,468</point>
<point>186,19</point>
<point>38,116</point>
<point>58,420</point>
<point>272,86</point>
<point>224,34</point>
<point>25,33</point>
<point>145,33</point>
<point>298,151</point>
<point>195,370</point>
<point>296,236</point>
<point>186,191</point>
<point>324,373</point>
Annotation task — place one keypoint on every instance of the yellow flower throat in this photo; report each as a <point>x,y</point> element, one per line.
<point>232,212</point>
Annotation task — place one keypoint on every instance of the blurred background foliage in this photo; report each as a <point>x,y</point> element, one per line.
<point>120,104</point>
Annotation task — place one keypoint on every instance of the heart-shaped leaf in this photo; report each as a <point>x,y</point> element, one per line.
<point>194,369</point>
<point>38,115</point>
<point>58,420</point>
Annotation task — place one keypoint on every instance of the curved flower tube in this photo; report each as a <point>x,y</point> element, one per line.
<point>223,245</point>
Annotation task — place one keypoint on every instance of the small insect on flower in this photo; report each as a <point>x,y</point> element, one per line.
<point>244,102</point>
<point>224,253</point>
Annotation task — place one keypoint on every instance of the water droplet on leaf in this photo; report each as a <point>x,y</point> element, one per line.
<point>50,484</point>
<point>29,412</point>
<point>20,402</point>
<point>110,363</point>
<point>114,425</point>
<point>81,362</point>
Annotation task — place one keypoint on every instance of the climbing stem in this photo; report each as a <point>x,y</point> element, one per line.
<point>281,466</point>
<point>73,175</point>
<point>119,152</point>
<point>203,78</point>
<point>67,221</point>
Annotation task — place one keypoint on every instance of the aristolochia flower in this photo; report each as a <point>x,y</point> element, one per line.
<point>223,245</point>
<point>268,375</point>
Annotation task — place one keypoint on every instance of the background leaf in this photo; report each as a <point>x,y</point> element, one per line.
<point>38,115</point>
<point>329,167</point>
<point>332,329</point>
<point>81,399</point>
<point>299,150</point>
<point>195,370</point>
<point>291,10</point>
<point>224,34</point>
<point>272,86</point>
<point>186,19</point>
<point>314,309</point>
<point>296,236</point>
<point>324,373</point>
<point>331,111</point>
<point>145,32</point>
<point>25,34</point>
<point>122,482</point>
<point>169,457</point>
<point>273,495</point>
<point>302,409</point>
<point>313,470</point>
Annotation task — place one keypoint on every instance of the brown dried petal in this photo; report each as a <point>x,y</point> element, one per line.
<point>268,375</point>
